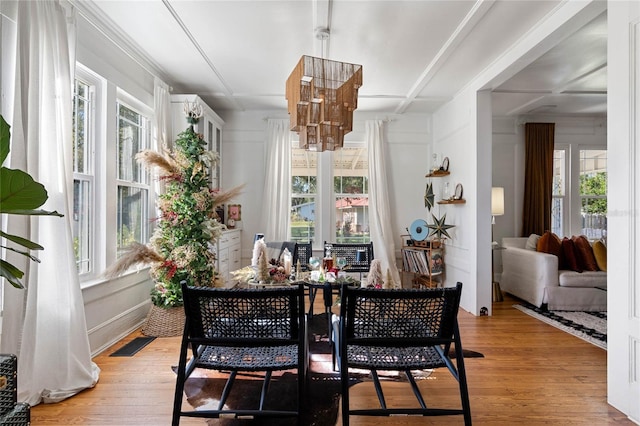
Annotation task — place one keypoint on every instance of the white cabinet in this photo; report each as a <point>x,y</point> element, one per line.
<point>228,250</point>
<point>209,125</point>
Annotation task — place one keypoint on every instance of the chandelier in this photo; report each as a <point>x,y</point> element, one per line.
<point>321,97</point>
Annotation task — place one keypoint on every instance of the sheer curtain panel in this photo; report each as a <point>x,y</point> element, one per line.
<point>45,323</point>
<point>380,217</point>
<point>277,183</point>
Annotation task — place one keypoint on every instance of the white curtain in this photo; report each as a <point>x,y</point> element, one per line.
<point>45,323</point>
<point>162,107</point>
<point>277,182</point>
<point>379,215</point>
<point>163,127</point>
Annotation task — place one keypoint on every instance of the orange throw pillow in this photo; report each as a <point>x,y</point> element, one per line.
<point>585,253</point>
<point>570,257</point>
<point>600,253</point>
<point>550,243</point>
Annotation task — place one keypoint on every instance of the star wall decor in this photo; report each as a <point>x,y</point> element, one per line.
<point>439,227</point>
<point>429,196</point>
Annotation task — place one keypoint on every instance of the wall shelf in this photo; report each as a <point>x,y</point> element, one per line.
<point>437,173</point>
<point>461,201</point>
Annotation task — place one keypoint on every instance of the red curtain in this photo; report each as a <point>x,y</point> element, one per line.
<point>538,178</point>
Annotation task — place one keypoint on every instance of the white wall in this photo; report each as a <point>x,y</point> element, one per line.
<point>623,296</point>
<point>455,136</point>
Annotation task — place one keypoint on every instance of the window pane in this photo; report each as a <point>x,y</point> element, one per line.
<point>350,182</point>
<point>303,218</point>
<point>559,191</point>
<point>556,216</point>
<point>304,184</point>
<point>559,172</point>
<point>80,127</point>
<point>82,225</point>
<point>593,193</point>
<point>132,216</point>
<point>83,178</point>
<point>132,138</point>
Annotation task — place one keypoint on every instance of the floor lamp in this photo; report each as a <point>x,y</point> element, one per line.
<point>497,209</point>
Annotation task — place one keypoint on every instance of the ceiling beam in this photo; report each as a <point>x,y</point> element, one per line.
<point>228,92</point>
<point>477,12</point>
<point>563,88</point>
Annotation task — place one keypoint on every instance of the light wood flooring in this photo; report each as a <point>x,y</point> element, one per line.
<point>531,374</point>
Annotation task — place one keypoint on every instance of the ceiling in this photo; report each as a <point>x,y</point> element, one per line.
<point>416,55</point>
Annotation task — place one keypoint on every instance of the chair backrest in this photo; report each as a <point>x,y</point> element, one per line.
<point>252,317</point>
<point>358,255</point>
<point>407,317</point>
<point>302,253</point>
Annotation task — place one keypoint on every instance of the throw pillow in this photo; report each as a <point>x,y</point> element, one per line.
<point>600,253</point>
<point>570,256</point>
<point>549,243</point>
<point>585,253</point>
<point>532,242</point>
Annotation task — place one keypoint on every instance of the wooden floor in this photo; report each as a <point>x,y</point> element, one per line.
<point>531,374</point>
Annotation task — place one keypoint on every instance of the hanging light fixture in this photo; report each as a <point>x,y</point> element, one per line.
<point>321,97</point>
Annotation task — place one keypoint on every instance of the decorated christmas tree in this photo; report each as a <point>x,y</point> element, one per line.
<point>179,249</point>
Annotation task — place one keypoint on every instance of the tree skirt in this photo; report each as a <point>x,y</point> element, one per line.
<point>589,326</point>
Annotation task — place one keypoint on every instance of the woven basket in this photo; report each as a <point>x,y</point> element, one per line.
<point>164,322</point>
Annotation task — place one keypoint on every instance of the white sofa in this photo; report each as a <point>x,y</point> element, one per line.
<point>534,276</point>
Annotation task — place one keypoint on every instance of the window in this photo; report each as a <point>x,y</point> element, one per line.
<point>132,179</point>
<point>340,214</point>
<point>304,171</point>
<point>350,187</point>
<point>83,176</point>
<point>579,204</point>
<point>558,200</point>
<point>593,193</point>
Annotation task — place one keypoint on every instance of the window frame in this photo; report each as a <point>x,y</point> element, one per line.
<point>92,159</point>
<point>325,224</point>
<point>130,102</point>
<point>572,200</point>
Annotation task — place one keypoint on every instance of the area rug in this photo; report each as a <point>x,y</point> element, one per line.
<point>320,408</point>
<point>589,326</point>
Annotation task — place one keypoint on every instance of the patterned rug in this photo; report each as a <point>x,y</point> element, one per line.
<point>589,326</point>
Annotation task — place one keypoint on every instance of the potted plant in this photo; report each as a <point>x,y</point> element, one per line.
<point>179,249</point>
<point>19,194</point>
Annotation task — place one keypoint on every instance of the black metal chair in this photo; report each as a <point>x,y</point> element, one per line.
<point>401,330</point>
<point>357,255</point>
<point>233,330</point>
<point>299,252</point>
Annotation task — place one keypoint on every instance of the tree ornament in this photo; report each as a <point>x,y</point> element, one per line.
<point>429,196</point>
<point>439,227</point>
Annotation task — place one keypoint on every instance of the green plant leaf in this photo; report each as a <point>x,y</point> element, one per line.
<point>24,253</point>
<point>11,273</point>
<point>35,212</point>
<point>18,191</point>
<point>22,241</point>
<point>4,139</point>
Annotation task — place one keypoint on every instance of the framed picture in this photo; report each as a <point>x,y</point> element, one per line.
<point>458,194</point>
<point>234,212</point>
<point>445,164</point>
<point>220,213</point>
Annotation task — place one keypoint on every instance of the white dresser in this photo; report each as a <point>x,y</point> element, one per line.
<point>229,249</point>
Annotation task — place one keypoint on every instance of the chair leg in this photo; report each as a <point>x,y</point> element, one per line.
<point>180,379</point>
<point>344,373</point>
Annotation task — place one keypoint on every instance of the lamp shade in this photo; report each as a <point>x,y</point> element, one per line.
<point>497,201</point>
